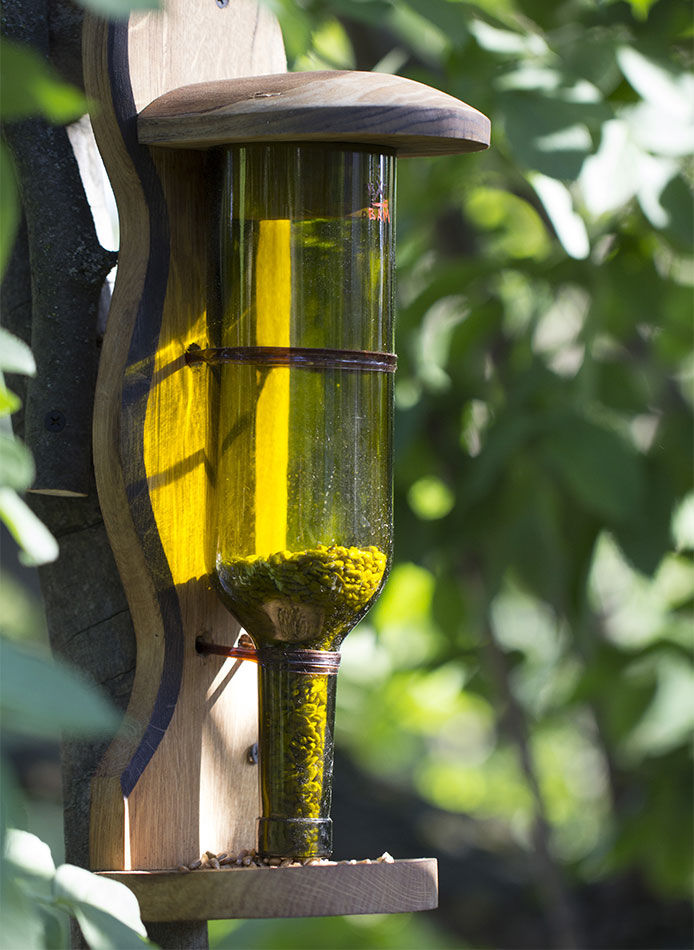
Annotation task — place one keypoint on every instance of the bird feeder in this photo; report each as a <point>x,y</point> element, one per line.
<point>243,445</point>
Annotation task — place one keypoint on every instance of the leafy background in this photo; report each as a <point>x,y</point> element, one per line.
<point>520,701</point>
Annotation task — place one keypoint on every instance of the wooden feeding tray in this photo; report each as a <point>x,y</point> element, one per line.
<point>314,891</point>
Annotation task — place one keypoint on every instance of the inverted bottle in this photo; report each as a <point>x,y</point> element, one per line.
<point>301,321</point>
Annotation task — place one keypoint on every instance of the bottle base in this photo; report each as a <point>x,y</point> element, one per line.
<point>299,838</point>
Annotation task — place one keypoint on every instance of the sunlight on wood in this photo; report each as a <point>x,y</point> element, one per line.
<point>175,450</point>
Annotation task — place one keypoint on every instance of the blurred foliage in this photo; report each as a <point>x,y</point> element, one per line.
<point>538,626</point>
<point>37,545</point>
<point>391,932</point>
<point>529,664</point>
<point>41,698</point>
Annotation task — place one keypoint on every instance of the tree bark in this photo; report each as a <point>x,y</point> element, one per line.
<point>182,935</point>
<point>68,269</point>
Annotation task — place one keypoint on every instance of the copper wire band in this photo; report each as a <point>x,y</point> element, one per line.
<point>305,356</point>
<point>301,661</point>
<point>294,661</point>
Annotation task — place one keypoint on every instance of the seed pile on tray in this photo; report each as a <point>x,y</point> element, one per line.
<point>249,859</point>
<point>341,580</point>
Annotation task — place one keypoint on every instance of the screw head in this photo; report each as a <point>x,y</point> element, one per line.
<point>222,3</point>
<point>54,421</point>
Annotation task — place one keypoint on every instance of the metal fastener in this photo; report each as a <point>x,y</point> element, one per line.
<point>54,421</point>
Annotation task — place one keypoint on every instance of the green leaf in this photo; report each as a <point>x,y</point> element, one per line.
<point>332,45</point>
<point>29,853</point>
<point>683,524</point>
<point>568,225</point>
<point>551,82</point>
<point>12,804</point>
<point>37,543</point>
<point>641,8</point>
<point>519,230</point>
<point>430,498</point>
<point>406,597</point>
<point>31,862</point>
<point>107,911</point>
<point>535,541</point>
<point>370,12</point>
<point>15,355</point>
<point>669,720</point>
<point>16,464</point>
<point>597,466</point>
<point>9,202</point>
<point>614,174</point>
<point>505,42</point>
<point>676,200</point>
<point>623,708</point>
<point>659,134</point>
<point>22,924</point>
<point>418,32</point>
<point>547,134</point>
<point>118,9</point>
<point>504,440</point>
<point>450,18</point>
<point>296,27</point>
<point>9,403</point>
<point>645,540</point>
<point>670,91</point>
<point>23,616</point>
<point>30,87</point>
<point>45,698</point>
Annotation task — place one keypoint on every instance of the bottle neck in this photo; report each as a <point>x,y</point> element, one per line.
<point>296,719</point>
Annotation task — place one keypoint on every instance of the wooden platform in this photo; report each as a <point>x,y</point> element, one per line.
<point>313,891</point>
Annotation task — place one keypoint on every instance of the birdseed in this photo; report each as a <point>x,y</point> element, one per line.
<point>300,596</point>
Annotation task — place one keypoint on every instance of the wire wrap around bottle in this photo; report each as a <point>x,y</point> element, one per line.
<point>301,661</point>
<point>298,356</point>
<point>294,661</point>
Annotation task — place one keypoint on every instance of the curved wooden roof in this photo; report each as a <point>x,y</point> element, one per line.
<point>325,106</point>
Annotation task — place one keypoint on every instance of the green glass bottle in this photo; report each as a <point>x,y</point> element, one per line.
<point>301,318</point>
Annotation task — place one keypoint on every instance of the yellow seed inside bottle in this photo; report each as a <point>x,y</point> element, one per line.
<point>335,582</point>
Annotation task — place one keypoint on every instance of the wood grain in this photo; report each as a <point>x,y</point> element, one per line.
<point>199,42</point>
<point>314,891</point>
<point>176,780</point>
<point>326,106</point>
